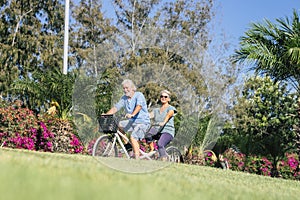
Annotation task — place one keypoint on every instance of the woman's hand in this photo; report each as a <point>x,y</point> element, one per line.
<point>161,123</point>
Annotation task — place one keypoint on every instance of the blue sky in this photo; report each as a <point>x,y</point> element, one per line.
<point>236,15</point>
<point>233,17</point>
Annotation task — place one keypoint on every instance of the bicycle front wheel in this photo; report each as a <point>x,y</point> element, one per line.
<point>105,147</point>
<point>174,154</point>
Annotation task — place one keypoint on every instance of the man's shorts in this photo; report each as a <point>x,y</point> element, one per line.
<point>137,130</point>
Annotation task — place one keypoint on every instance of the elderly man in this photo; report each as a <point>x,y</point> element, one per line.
<point>137,113</point>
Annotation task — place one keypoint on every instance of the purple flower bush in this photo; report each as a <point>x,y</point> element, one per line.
<point>21,129</point>
<point>288,168</point>
<point>58,136</point>
<point>76,145</point>
<point>18,128</point>
<point>21,142</point>
<point>209,158</point>
<point>45,139</point>
<point>236,160</point>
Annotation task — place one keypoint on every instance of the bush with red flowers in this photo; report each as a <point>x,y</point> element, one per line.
<point>288,168</point>
<point>20,128</point>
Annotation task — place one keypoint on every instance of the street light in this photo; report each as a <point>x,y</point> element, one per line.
<point>66,36</point>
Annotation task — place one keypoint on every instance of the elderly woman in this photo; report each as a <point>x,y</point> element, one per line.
<point>164,117</point>
<point>137,113</point>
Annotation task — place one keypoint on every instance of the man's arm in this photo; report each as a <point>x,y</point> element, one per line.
<point>113,110</point>
<point>135,111</point>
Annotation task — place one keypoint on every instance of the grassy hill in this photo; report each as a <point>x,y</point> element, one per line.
<point>33,175</point>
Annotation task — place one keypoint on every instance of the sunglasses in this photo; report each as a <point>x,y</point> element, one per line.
<point>164,96</point>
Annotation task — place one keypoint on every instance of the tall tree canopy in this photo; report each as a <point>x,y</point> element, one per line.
<point>31,42</point>
<point>158,37</point>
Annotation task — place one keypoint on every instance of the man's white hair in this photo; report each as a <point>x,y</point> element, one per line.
<point>129,83</point>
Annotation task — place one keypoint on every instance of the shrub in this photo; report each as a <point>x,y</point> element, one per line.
<point>258,165</point>
<point>20,128</point>
<point>59,135</point>
<point>289,167</point>
<point>210,158</point>
<point>252,164</point>
<point>196,156</point>
<point>236,160</point>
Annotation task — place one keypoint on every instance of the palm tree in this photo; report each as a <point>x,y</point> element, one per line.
<point>46,87</point>
<point>273,49</point>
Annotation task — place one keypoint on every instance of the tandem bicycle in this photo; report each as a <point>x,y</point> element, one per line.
<point>114,143</point>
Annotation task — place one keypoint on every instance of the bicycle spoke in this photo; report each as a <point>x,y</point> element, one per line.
<point>104,146</point>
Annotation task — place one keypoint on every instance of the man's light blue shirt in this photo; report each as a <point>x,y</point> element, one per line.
<point>129,105</point>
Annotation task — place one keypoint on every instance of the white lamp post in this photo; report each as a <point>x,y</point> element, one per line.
<point>66,36</point>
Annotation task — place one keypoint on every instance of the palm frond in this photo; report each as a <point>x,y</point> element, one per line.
<point>273,48</point>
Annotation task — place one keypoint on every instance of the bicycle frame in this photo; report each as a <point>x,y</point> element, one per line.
<point>111,144</point>
<point>117,138</point>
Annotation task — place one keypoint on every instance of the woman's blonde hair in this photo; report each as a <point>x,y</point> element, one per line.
<point>166,92</point>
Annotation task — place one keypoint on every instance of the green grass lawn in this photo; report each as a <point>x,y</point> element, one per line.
<point>33,175</point>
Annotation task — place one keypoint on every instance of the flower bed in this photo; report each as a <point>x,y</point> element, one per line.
<point>20,128</point>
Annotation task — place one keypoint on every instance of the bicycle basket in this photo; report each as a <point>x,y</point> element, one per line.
<point>107,124</point>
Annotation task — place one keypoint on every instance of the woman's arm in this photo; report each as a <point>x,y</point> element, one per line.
<point>168,116</point>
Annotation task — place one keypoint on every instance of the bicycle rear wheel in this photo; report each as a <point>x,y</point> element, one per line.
<point>174,154</point>
<point>105,147</point>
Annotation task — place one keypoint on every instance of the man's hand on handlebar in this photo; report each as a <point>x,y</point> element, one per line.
<point>128,115</point>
